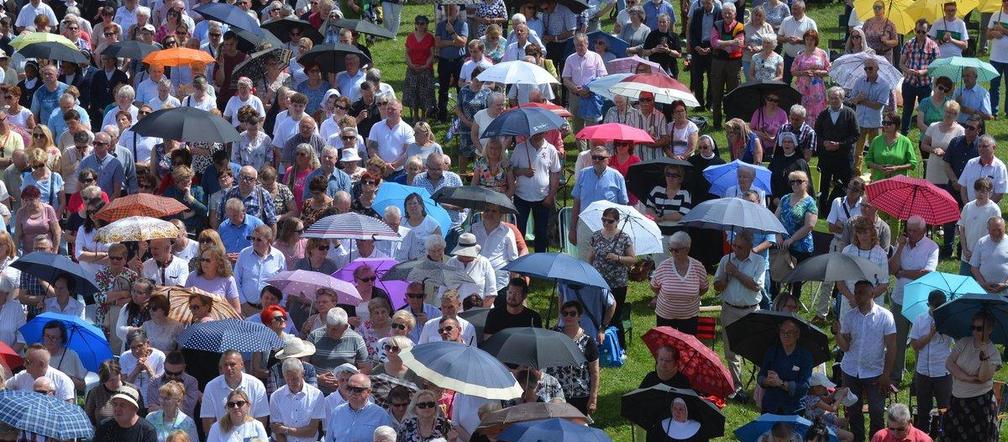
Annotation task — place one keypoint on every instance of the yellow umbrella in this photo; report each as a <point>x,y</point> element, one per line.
<point>895,10</point>
<point>934,10</point>
<point>989,6</point>
<point>27,38</point>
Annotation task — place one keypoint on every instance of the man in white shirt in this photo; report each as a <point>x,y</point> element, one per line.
<point>520,38</point>
<point>984,165</point>
<point>164,268</point>
<point>125,16</point>
<point>916,255</point>
<point>972,221</point>
<point>286,126</point>
<point>390,137</point>
<point>950,32</point>
<point>31,10</point>
<point>932,380</point>
<point>792,35</point>
<point>535,177</point>
<point>36,365</point>
<point>476,58</point>
<point>467,259</point>
<point>989,262</point>
<point>256,264</point>
<point>497,243</point>
<point>450,306</point>
<point>233,377</point>
<point>296,408</point>
<point>579,69</point>
<point>841,211</point>
<point>746,176</point>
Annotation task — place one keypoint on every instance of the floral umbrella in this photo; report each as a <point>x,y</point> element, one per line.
<point>136,228</point>
<point>697,362</point>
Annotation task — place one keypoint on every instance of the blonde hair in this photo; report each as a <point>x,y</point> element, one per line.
<point>174,389</point>
<point>225,422</point>
<point>6,239</point>
<point>37,156</point>
<point>223,264</point>
<point>48,138</point>
<point>406,317</point>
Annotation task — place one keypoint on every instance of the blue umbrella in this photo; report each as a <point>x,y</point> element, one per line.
<point>915,294</point>
<point>82,337</point>
<point>723,176</point>
<point>229,334</point>
<point>230,15</point>
<point>395,194</point>
<point>557,266</point>
<point>552,430</point>
<point>616,45</point>
<point>462,368</point>
<point>600,86</point>
<point>522,121</point>
<point>732,213</point>
<point>44,415</point>
<point>48,266</point>
<point>753,430</point>
<point>955,318</point>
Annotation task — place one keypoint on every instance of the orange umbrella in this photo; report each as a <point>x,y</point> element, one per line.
<point>177,57</point>
<point>140,204</point>
<point>178,298</point>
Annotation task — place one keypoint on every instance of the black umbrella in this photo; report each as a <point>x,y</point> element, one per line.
<point>187,124</point>
<point>48,266</point>
<point>647,407</point>
<point>743,101</point>
<point>254,67</point>
<point>477,317</point>
<point>534,347</point>
<point>51,50</point>
<point>576,6</point>
<point>250,41</point>
<point>836,266</point>
<point>134,49</point>
<point>401,271</point>
<point>282,29</point>
<point>473,197</point>
<point>364,27</point>
<point>330,57</point>
<point>755,333</point>
<point>642,177</point>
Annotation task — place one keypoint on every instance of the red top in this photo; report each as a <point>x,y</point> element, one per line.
<point>76,202</point>
<point>624,169</point>
<point>914,435</point>
<point>419,51</point>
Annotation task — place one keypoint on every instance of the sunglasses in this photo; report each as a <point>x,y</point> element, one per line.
<point>116,258</point>
<point>426,405</point>
<point>793,182</point>
<point>570,313</point>
<point>399,326</point>
<point>236,404</point>
<point>599,158</point>
<point>392,348</point>
<point>279,318</point>
<point>447,329</point>
<point>38,135</point>
<point>416,295</point>
<point>356,390</point>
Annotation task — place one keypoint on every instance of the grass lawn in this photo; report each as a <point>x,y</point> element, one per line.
<point>389,57</point>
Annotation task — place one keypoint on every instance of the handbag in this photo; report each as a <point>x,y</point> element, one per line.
<point>781,264</point>
<point>641,270</point>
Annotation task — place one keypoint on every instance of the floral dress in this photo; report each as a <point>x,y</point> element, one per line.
<point>793,218</point>
<point>812,89</point>
<point>489,9</point>
<point>491,179</point>
<point>309,214</point>
<point>409,430</point>
<point>282,198</point>
<point>575,379</point>
<point>615,274</point>
<point>371,338</point>
<point>201,162</point>
<point>108,283</point>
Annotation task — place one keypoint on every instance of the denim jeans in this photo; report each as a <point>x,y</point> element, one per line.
<point>995,89</point>
<point>911,96</point>
<point>540,215</point>
<point>865,389</point>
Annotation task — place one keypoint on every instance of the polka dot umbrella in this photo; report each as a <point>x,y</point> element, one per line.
<point>230,334</point>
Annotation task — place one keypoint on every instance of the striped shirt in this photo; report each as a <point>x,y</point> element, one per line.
<point>660,202</point>
<point>679,295</point>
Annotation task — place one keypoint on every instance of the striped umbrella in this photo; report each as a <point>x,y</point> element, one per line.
<point>178,300</point>
<point>903,197</point>
<point>44,415</point>
<point>140,204</point>
<point>351,226</point>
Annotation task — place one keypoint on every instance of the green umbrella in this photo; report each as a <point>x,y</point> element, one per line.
<point>952,68</point>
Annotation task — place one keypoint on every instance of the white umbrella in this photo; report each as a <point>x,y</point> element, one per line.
<point>848,69</point>
<point>136,228</point>
<point>517,72</point>
<point>600,86</point>
<point>645,234</point>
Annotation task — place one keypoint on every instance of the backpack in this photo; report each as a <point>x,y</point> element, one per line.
<point>611,354</point>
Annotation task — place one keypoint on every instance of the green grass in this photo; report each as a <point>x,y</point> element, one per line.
<point>389,57</point>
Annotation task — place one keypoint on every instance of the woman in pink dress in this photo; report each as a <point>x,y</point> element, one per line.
<point>809,69</point>
<point>305,162</point>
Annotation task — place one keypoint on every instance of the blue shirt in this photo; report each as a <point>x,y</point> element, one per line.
<point>57,125</point>
<point>595,301</point>
<point>211,177</point>
<point>452,52</point>
<point>51,188</point>
<point>976,98</point>
<point>44,101</point>
<point>865,116</point>
<point>349,425</point>
<point>590,187</point>
<point>338,180</point>
<point>251,271</point>
<point>110,171</point>
<point>236,238</point>
<point>349,85</point>
<point>652,11</point>
<point>794,369</point>
<point>315,96</point>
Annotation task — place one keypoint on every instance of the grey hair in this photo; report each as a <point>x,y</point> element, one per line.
<point>496,96</point>
<point>799,110</point>
<point>728,6</point>
<point>797,2</point>
<point>837,90</point>
<point>434,240</point>
<point>292,365</point>
<point>916,221</point>
<point>392,210</point>
<point>330,149</point>
<point>337,317</point>
<point>384,433</point>
<point>745,235</point>
<point>680,239</point>
<point>126,90</point>
<point>987,138</point>
<point>770,38</point>
<point>341,195</point>
<point>519,17</point>
<point>898,413</point>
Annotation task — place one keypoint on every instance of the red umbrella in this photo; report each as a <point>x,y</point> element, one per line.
<point>560,111</point>
<point>614,132</point>
<point>9,357</point>
<point>665,89</point>
<point>140,204</point>
<point>903,197</point>
<point>697,362</point>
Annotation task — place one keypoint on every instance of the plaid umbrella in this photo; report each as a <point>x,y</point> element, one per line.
<point>178,298</point>
<point>136,228</point>
<point>230,334</point>
<point>697,362</point>
<point>140,204</point>
<point>351,226</point>
<point>903,197</point>
<point>44,415</point>
<point>307,284</point>
<point>382,384</point>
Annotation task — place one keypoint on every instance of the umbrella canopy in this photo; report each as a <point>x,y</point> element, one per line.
<point>576,6</point>
<point>306,284</point>
<point>396,289</point>
<point>52,50</point>
<point>724,176</point>
<point>49,266</point>
<point>643,232</point>
<point>228,14</point>
<point>462,368</point>
<point>443,277</point>
<point>530,411</point>
<point>915,294</point>
<point>129,49</point>
<point>10,358</point>
<point>254,67</point>
<point>895,11</point>
<point>522,121</point>
<point>743,101</point>
<point>27,38</point>
<point>614,45</point>
<point>136,228</point>
<point>250,41</point>
<point>560,111</point>
<point>44,415</point>
<point>756,333</point>
<point>552,430</point>
<point>187,124</point>
<point>331,57</point>
<point>848,69</point>
<point>647,407</point>
<point>364,27</point>
<point>644,176</point>
<point>382,384</point>
<point>534,347</point>
<point>665,89</point>
<point>701,365</point>
<point>82,337</point>
<point>609,132</point>
<point>903,197</point>
<point>753,430</point>
<point>628,65</point>
<point>601,85</point>
<point>989,6</point>
<point>474,197</point>
<point>559,267</point>
<point>390,193</point>
<point>178,57</point>
<point>955,318</point>
<point>282,29</point>
<point>517,73</point>
<point>178,303</point>
<point>836,266</point>
<point>229,334</point>
<point>401,271</point>
<point>952,68</point>
<point>140,204</point>
<point>932,10</point>
<point>351,225</point>
<point>731,214</point>
<point>477,317</point>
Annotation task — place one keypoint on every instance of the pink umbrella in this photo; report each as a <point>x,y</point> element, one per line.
<point>614,132</point>
<point>665,89</point>
<point>307,284</point>
<point>628,65</point>
<point>395,289</point>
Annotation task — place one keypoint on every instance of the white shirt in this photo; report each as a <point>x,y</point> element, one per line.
<point>923,256</point>
<point>28,13</point>
<point>973,221</point>
<point>840,212</point>
<point>251,271</point>
<point>482,120</point>
<point>736,192</point>
<point>68,362</point>
<point>247,431</point>
<point>974,170</point>
<point>866,356</point>
<point>876,255</point>
<point>389,247</point>
<point>235,103</point>
<point>412,245</point>
<point>73,307</point>
<point>430,331</point>
<point>297,409</point>
<point>543,162</point>
<point>999,46</point>
<point>23,381</point>
<point>392,141</point>
<point>792,27</point>
<point>189,251</point>
<point>143,145</point>
<point>481,272</point>
<point>143,380</point>
<point>958,30</point>
<point>216,392</point>
<point>991,258</point>
<point>86,242</point>
<point>157,103</point>
<point>147,90</point>
<point>931,358</point>
<point>12,317</point>
<point>175,273</point>
<point>497,246</point>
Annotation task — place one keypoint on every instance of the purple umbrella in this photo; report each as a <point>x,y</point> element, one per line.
<point>307,283</point>
<point>395,289</point>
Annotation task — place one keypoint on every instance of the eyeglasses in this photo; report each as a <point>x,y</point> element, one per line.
<point>205,260</point>
<point>341,107</point>
<point>426,405</point>
<point>599,157</point>
<point>169,42</point>
<point>368,183</point>
<point>399,326</point>
<point>446,329</point>
<point>356,390</point>
<point>349,138</point>
<point>236,404</point>
<point>279,318</point>
<point>247,178</point>
<point>368,279</point>
<point>793,182</point>
<point>608,221</point>
<point>393,348</point>
<point>569,313</point>
<point>416,295</point>
<point>38,135</point>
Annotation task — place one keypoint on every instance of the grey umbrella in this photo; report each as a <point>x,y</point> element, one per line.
<point>473,197</point>
<point>833,267</point>
<point>733,214</point>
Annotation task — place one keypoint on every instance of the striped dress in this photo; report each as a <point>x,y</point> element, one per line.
<point>679,297</point>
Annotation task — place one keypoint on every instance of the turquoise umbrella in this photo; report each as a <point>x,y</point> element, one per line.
<point>915,294</point>
<point>952,68</point>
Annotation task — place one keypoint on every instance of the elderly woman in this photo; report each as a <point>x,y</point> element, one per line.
<point>275,318</point>
<point>296,175</point>
<point>190,196</point>
<point>612,254</point>
<point>678,284</point>
<point>377,326</point>
<point>931,109</point>
<point>766,65</point>
<point>420,224</point>
<point>255,147</point>
<point>275,77</point>
<point>856,42</point>
<point>97,403</point>
<point>283,197</point>
<point>141,363</point>
<point>242,99</point>
<point>214,275</point>
<point>784,373</point>
<point>426,421</point>
<point>169,418</point>
<point>810,68</point>
<point>320,202</point>
<point>315,257</point>
<point>136,312</point>
<point>237,423</point>
<point>776,12</point>
<point>414,166</point>
<point>890,153</point>
<point>161,330</point>
<point>669,203</point>
<point>391,348</point>
<point>200,305</point>
<point>491,169</point>
<point>580,382</point>
<point>368,186</point>
<point>972,414</point>
<point>757,30</point>
<point>767,120</point>
<point>418,87</point>
<point>678,427</point>
<point>123,102</point>
<point>114,282</point>
<point>880,32</point>
<point>936,139</point>
<point>785,161</point>
<point>636,31</point>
